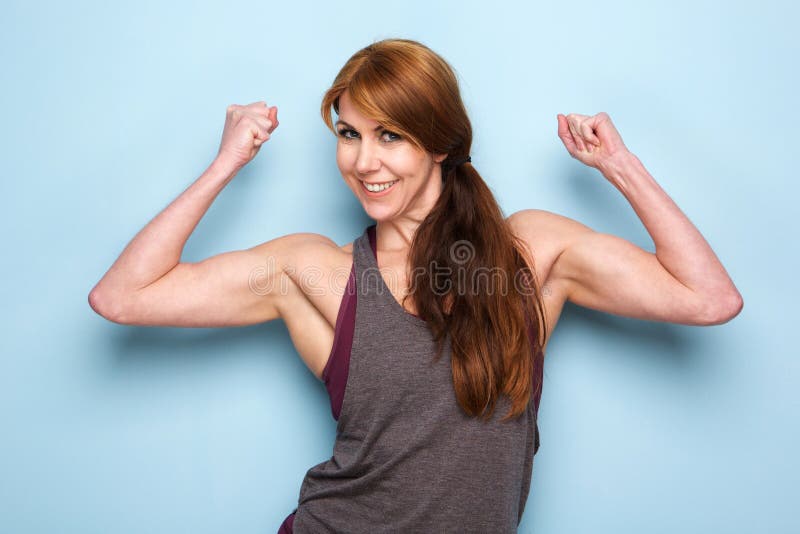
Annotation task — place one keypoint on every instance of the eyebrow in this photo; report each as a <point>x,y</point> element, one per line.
<point>338,122</point>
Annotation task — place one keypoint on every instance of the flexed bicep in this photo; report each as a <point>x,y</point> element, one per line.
<point>608,273</point>
<point>234,288</point>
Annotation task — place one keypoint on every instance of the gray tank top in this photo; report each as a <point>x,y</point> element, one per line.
<point>406,457</point>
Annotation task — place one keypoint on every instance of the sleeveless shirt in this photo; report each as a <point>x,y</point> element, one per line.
<point>406,457</point>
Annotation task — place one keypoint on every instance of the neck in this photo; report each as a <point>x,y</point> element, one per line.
<point>398,232</point>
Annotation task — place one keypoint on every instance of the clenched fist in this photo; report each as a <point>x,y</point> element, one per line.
<point>246,129</point>
<point>592,140</point>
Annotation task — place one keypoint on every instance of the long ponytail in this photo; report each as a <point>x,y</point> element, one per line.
<point>484,270</point>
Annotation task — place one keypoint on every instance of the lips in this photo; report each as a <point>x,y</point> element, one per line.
<point>381,192</point>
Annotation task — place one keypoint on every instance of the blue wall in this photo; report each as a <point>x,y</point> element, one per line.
<point>109,112</point>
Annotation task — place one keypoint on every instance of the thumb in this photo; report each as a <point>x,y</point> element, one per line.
<point>565,134</point>
<point>260,136</point>
<point>273,117</point>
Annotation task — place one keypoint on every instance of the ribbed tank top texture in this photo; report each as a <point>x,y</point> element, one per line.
<point>406,457</point>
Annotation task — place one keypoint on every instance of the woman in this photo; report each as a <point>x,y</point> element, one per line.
<point>432,347</point>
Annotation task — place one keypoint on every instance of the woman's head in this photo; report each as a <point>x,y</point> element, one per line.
<point>400,117</point>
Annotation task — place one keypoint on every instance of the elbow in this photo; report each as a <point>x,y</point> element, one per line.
<point>105,305</point>
<point>722,309</point>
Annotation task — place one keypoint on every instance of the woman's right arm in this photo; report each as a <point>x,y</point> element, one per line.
<point>148,285</point>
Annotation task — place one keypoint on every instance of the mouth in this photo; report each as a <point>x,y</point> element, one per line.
<point>378,189</point>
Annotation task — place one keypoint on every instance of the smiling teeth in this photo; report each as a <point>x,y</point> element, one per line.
<point>378,188</point>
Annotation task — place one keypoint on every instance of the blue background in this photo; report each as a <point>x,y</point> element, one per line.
<point>111,111</point>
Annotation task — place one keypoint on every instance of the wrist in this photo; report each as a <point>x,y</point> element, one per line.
<point>223,168</point>
<point>620,169</point>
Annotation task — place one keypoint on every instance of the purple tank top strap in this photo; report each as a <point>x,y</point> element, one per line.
<point>338,365</point>
<point>288,524</point>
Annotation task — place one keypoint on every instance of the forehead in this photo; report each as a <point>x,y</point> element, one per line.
<point>350,114</point>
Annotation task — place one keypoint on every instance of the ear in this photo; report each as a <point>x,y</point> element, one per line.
<point>438,158</point>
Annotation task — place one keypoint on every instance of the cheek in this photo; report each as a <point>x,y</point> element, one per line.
<point>345,157</point>
<point>412,164</point>
<point>339,156</point>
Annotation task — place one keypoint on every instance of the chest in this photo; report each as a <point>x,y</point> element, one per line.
<point>395,272</point>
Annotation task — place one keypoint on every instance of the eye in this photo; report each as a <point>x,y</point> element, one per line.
<point>390,137</point>
<point>347,133</point>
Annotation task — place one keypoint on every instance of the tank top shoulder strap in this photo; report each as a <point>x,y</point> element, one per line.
<point>337,368</point>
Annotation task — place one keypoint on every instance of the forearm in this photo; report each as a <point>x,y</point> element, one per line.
<point>157,248</point>
<point>680,247</point>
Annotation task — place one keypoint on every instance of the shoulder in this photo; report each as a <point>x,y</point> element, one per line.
<point>301,250</point>
<point>544,225</point>
<point>547,235</point>
<point>318,242</point>
<point>545,230</point>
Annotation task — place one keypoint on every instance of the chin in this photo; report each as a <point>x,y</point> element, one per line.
<point>378,213</point>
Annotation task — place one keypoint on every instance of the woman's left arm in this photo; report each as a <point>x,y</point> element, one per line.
<point>683,282</point>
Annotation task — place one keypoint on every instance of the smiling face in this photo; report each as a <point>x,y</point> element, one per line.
<point>392,178</point>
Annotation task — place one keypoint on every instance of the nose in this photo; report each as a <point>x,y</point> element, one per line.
<point>368,160</point>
